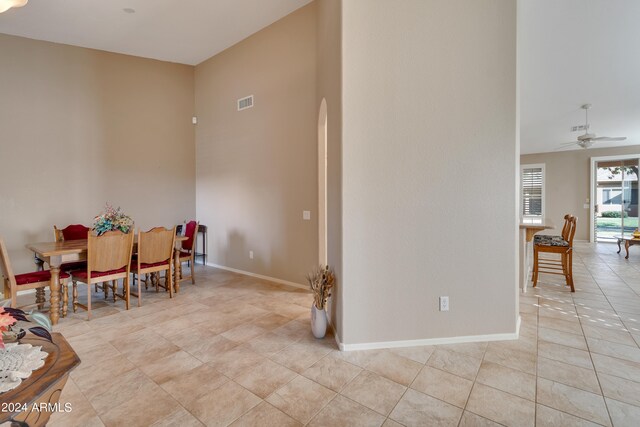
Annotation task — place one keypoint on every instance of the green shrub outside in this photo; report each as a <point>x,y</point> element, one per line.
<point>613,214</point>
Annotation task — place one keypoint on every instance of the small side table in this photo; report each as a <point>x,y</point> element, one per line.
<point>628,240</point>
<point>43,386</point>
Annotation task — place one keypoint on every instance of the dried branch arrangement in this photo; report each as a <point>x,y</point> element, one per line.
<point>321,281</point>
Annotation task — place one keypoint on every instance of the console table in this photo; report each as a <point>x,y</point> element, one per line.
<point>36,398</point>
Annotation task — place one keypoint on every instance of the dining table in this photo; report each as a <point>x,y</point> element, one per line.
<point>57,253</point>
<point>529,227</point>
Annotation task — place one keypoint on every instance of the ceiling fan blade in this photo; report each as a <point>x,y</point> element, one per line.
<point>563,147</point>
<point>607,138</point>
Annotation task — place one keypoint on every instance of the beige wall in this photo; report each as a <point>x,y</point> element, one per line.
<point>429,143</point>
<point>567,183</point>
<point>256,169</point>
<point>80,127</point>
<point>329,87</point>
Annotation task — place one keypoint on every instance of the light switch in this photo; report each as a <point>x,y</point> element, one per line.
<point>586,206</point>
<point>306,215</point>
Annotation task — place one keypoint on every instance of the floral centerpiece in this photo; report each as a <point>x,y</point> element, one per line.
<point>112,219</point>
<point>12,324</point>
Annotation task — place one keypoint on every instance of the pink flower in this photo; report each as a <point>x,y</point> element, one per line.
<point>6,320</point>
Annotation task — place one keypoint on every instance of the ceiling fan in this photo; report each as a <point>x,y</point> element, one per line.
<point>588,139</point>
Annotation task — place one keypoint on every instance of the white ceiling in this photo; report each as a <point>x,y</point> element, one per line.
<point>574,52</point>
<point>183,31</point>
<point>571,52</point>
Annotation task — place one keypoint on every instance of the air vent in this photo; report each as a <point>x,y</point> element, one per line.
<point>579,128</point>
<point>245,103</point>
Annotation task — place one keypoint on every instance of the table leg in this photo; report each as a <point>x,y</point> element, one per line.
<point>619,248</point>
<point>40,298</point>
<point>177,270</point>
<point>55,294</point>
<point>65,300</point>
<point>626,248</point>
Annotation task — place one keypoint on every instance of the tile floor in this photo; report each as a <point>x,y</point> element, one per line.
<point>234,350</point>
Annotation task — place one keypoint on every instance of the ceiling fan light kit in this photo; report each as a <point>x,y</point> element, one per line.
<point>8,4</point>
<point>588,139</point>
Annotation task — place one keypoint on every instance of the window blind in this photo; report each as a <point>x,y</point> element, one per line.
<point>532,191</point>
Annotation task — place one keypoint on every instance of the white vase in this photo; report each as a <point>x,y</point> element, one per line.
<point>318,322</point>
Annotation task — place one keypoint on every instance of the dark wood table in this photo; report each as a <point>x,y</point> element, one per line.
<point>629,240</point>
<point>36,398</point>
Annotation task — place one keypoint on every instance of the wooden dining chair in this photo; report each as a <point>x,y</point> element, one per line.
<point>188,250</point>
<point>562,245</point>
<point>155,255</point>
<point>108,260</point>
<point>71,232</point>
<point>38,280</point>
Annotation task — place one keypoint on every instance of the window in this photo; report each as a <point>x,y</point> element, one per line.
<point>612,196</point>
<point>532,186</point>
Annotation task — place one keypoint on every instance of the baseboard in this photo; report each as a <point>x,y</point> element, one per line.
<point>429,341</point>
<point>259,276</point>
<point>337,338</point>
<point>384,344</point>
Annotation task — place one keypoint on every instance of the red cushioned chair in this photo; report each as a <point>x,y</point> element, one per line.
<point>188,249</point>
<point>108,259</point>
<point>72,232</point>
<point>38,280</point>
<point>155,254</point>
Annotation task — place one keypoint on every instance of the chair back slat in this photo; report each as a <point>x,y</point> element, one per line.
<point>110,251</point>
<point>190,231</point>
<point>566,227</point>
<point>5,267</point>
<point>156,245</point>
<point>572,230</point>
<point>71,232</point>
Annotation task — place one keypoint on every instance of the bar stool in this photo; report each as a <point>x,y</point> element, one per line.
<point>562,245</point>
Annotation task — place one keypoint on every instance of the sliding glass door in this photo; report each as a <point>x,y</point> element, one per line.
<point>616,198</point>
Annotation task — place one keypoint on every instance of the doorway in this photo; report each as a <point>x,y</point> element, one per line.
<point>615,197</point>
<point>322,183</point>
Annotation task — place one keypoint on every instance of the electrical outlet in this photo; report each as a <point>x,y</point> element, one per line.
<point>444,303</point>
<point>306,215</point>
<point>250,254</point>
